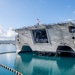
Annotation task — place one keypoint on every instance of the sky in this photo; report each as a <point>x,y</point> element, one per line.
<point>20,13</point>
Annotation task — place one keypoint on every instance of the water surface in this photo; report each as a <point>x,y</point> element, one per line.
<point>7,59</point>
<point>30,64</point>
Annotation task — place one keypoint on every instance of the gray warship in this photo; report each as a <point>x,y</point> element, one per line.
<point>47,38</point>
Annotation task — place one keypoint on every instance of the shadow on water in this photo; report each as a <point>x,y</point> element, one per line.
<point>66,63</point>
<point>29,64</point>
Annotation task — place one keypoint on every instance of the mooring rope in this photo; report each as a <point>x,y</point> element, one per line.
<point>14,71</point>
<point>8,52</point>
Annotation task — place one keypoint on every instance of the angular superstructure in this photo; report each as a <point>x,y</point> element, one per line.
<point>46,38</point>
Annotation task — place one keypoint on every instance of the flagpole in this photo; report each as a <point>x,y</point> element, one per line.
<point>38,21</point>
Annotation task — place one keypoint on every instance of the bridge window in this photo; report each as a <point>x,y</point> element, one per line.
<point>71,29</point>
<point>40,36</point>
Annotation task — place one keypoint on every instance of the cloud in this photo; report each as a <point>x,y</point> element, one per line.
<point>7,34</point>
<point>2,31</point>
<point>69,19</point>
<point>10,33</point>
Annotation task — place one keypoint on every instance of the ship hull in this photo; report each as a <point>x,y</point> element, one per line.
<point>54,36</point>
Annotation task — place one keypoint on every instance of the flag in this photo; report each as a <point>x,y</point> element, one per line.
<point>38,20</point>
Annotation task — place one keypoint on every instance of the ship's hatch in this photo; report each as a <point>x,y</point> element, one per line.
<point>40,36</point>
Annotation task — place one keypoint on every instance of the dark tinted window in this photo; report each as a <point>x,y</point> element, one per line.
<point>71,29</point>
<point>40,36</point>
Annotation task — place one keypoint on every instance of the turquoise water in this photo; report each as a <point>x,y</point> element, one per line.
<point>30,64</point>
<point>7,59</point>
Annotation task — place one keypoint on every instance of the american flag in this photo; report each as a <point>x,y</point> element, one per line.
<point>38,20</point>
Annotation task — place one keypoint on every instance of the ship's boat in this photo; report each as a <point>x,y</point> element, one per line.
<point>57,38</point>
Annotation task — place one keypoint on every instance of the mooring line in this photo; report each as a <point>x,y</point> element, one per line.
<point>8,52</point>
<point>14,71</point>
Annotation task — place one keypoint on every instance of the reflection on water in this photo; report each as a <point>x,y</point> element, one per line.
<point>7,59</point>
<point>29,64</point>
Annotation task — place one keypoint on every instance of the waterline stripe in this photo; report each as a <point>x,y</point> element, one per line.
<point>14,71</point>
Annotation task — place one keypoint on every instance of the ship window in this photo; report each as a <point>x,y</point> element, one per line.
<point>71,29</point>
<point>17,39</point>
<point>73,37</point>
<point>40,36</point>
